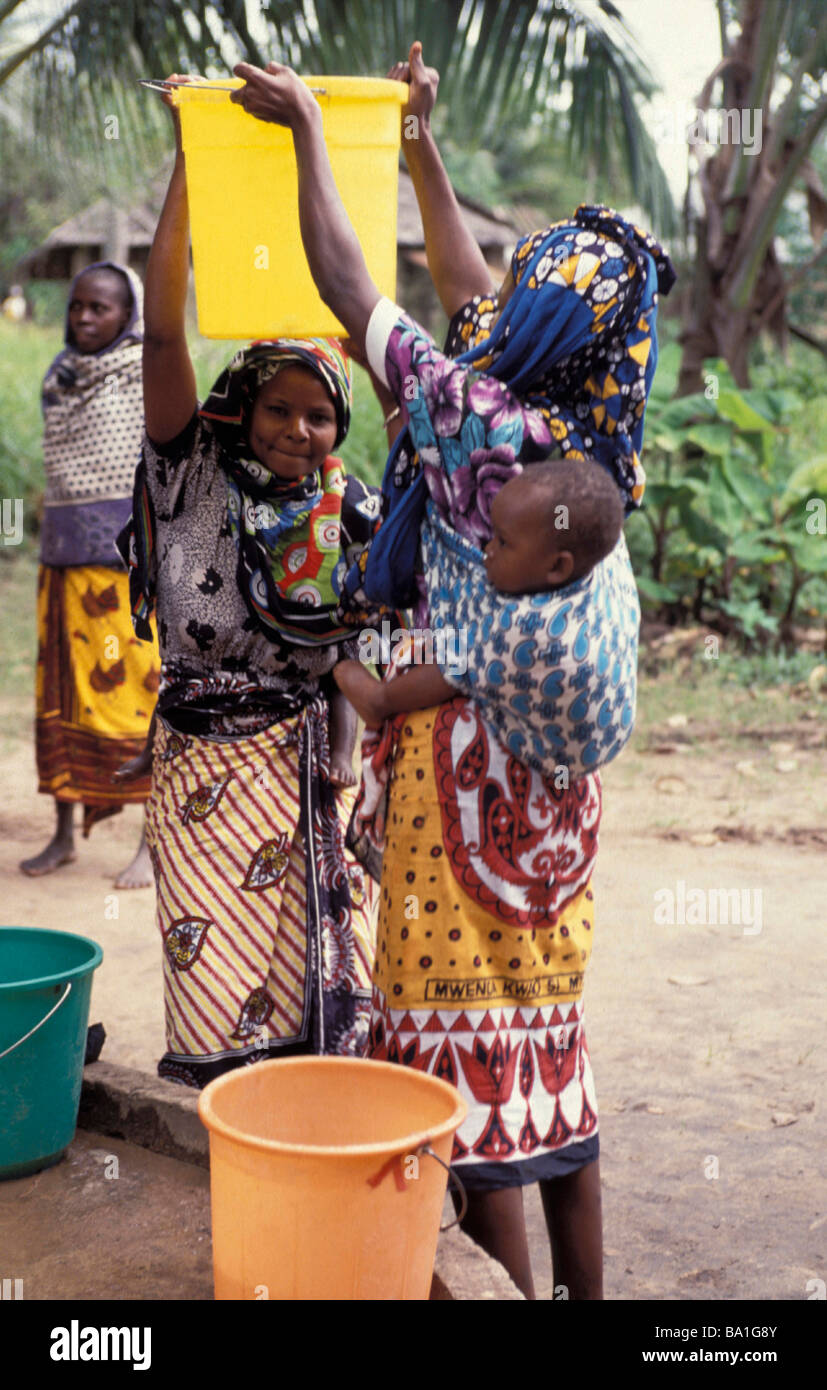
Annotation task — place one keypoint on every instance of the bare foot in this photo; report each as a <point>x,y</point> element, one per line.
<point>362,690</point>
<point>341,770</point>
<point>139,873</point>
<point>59,851</point>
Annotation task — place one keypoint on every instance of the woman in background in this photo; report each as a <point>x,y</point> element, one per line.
<point>96,683</point>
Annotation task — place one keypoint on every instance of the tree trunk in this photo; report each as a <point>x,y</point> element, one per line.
<point>738,287</point>
<point>116,246</point>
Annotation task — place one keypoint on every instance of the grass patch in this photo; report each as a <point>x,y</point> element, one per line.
<point>732,695</point>
<point>18,629</point>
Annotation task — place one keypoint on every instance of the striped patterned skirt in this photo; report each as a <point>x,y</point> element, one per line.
<point>267,921</point>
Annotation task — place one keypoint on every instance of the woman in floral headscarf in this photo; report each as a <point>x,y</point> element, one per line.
<point>486,916</point>
<point>243,525</point>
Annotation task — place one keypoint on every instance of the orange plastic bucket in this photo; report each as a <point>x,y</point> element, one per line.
<point>320,1188</point>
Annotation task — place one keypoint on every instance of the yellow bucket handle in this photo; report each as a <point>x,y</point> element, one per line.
<point>157,84</point>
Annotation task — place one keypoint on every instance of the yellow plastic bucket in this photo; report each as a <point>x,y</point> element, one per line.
<point>251,276</point>
<point>320,1188</point>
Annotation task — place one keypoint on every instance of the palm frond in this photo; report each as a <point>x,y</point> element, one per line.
<point>502,63</point>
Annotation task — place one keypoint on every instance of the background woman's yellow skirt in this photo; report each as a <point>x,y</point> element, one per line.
<point>96,688</point>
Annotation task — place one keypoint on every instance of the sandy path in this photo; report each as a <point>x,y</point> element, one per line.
<point>693,1078</point>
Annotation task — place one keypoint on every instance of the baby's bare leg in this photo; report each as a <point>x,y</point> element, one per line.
<point>420,687</point>
<point>342,740</point>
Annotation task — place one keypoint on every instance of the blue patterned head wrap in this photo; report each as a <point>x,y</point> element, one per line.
<point>576,341</point>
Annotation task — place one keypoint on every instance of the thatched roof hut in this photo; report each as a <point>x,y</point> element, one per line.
<point>104,231</point>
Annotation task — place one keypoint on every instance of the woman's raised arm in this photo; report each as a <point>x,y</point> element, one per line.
<point>170,394</point>
<point>456,263</point>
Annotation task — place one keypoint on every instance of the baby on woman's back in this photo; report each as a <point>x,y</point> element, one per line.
<point>550,526</point>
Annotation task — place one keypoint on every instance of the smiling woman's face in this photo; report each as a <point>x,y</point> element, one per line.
<point>293,425</point>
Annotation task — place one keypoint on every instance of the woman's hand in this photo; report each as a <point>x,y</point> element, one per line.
<point>168,98</point>
<point>276,95</point>
<point>423,84</point>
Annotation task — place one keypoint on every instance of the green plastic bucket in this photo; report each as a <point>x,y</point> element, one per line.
<point>45,989</point>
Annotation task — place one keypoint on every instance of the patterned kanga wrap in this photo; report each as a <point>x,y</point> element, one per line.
<point>554,675</point>
<point>266,918</point>
<point>484,935</point>
<point>96,689</point>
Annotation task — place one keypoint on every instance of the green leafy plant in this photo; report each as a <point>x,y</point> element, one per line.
<point>726,535</point>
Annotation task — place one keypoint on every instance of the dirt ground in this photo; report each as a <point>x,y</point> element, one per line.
<point>706,1039</point>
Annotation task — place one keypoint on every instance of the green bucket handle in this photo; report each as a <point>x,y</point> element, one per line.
<point>32,1031</point>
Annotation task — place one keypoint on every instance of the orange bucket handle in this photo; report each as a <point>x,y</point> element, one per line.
<point>394,1165</point>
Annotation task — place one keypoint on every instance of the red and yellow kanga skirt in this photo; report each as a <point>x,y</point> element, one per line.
<point>484,935</point>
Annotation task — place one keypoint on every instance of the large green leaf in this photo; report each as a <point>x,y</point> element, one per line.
<point>672,493</point>
<point>775,403</point>
<point>733,405</point>
<point>723,504</point>
<point>753,491</point>
<point>713,438</point>
<point>808,480</point>
<point>686,411</point>
<point>810,552</point>
<point>651,589</point>
<point>749,614</point>
<point>664,437</point>
<point>704,532</point>
<point>753,549</point>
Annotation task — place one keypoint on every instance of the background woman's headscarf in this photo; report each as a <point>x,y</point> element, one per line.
<point>576,342</point>
<point>93,415</point>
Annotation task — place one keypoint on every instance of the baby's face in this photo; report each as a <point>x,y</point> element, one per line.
<point>518,557</point>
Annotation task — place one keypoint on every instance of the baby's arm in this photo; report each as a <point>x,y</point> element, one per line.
<point>342,740</point>
<point>420,687</point>
<point>140,766</point>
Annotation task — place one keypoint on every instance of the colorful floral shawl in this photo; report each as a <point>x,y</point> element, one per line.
<point>566,370</point>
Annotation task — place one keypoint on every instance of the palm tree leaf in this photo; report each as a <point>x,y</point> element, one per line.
<point>503,62</point>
